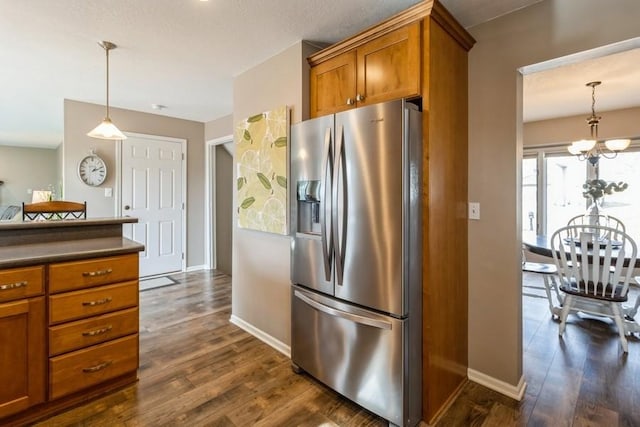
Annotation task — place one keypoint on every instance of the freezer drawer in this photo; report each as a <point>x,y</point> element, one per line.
<point>358,353</point>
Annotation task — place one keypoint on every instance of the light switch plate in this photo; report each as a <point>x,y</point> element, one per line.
<point>474,210</point>
<point>108,192</point>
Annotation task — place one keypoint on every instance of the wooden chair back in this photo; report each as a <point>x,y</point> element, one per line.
<point>54,210</point>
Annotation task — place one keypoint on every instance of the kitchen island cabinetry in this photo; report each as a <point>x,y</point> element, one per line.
<point>22,341</point>
<point>384,68</point>
<point>68,314</point>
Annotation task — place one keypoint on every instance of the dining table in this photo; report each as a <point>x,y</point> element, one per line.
<point>540,244</point>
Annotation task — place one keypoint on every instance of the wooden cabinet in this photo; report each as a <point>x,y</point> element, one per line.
<point>384,68</point>
<point>22,354</point>
<point>93,322</point>
<point>420,52</point>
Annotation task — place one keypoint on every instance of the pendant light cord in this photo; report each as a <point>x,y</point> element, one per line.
<point>107,50</point>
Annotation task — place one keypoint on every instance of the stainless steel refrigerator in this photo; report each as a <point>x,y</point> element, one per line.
<point>356,256</point>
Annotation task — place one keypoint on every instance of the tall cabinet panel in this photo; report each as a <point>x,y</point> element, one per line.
<point>421,54</point>
<point>22,355</point>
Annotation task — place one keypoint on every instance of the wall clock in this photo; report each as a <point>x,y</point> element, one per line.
<point>92,170</point>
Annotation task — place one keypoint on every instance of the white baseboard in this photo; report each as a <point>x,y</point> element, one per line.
<point>261,335</point>
<point>514,392</point>
<point>196,268</point>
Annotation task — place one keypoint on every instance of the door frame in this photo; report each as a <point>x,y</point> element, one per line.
<point>210,249</point>
<point>118,186</point>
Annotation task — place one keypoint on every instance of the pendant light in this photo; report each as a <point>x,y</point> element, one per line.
<point>106,129</point>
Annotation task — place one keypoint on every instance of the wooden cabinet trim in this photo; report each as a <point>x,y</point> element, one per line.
<point>72,336</point>
<point>69,276</point>
<point>91,366</point>
<point>18,283</point>
<point>431,8</point>
<point>408,40</point>
<point>34,381</point>
<point>91,302</point>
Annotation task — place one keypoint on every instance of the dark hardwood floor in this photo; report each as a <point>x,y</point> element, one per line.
<point>197,369</point>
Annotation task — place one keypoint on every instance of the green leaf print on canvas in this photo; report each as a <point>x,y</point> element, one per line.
<point>247,136</point>
<point>247,202</point>
<point>255,118</point>
<point>280,142</point>
<point>282,181</point>
<point>264,180</point>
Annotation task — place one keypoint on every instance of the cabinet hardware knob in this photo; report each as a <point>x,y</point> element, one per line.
<point>98,367</point>
<point>97,331</point>
<point>350,101</point>
<point>359,98</point>
<point>15,285</point>
<point>127,207</point>
<point>97,302</point>
<point>97,273</point>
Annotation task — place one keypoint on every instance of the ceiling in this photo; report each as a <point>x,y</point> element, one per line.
<point>184,54</point>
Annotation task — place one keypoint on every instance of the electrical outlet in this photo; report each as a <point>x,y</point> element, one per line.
<point>474,210</point>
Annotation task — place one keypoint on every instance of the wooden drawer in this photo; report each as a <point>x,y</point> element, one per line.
<point>84,368</point>
<point>68,276</point>
<point>90,302</point>
<point>17,283</point>
<point>83,333</point>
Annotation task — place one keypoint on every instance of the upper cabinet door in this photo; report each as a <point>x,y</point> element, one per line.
<point>333,85</point>
<point>389,66</point>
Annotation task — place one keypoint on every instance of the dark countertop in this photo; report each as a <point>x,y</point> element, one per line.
<point>18,225</point>
<point>39,242</point>
<point>66,250</point>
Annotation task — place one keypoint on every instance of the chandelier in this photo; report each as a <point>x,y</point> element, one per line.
<point>591,149</point>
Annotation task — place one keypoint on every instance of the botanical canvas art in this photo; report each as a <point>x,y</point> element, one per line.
<point>261,166</point>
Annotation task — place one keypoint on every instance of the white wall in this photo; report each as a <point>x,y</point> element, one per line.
<point>261,261</point>
<point>546,30</point>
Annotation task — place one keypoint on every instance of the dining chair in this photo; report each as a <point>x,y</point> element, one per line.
<point>591,271</point>
<point>600,219</point>
<point>54,210</point>
<point>548,271</point>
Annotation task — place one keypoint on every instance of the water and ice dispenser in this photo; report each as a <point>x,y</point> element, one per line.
<point>309,207</point>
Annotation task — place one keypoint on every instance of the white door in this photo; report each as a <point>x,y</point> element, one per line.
<point>152,192</point>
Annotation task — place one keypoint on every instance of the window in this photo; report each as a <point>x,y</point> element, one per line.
<point>552,183</point>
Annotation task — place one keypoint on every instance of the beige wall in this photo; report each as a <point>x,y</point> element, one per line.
<point>546,30</point>
<point>614,124</point>
<point>80,117</point>
<point>218,128</point>
<point>23,169</point>
<point>224,209</point>
<point>261,261</point>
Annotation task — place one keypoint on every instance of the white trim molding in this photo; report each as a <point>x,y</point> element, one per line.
<point>197,268</point>
<point>261,335</point>
<point>514,392</point>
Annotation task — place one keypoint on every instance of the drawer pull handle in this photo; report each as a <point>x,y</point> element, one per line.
<point>15,285</point>
<point>98,367</point>
<point>97,302</point>
<point>97,273</point>
<point>97,331</point>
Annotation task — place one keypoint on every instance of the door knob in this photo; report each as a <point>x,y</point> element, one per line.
<point>127,207</point>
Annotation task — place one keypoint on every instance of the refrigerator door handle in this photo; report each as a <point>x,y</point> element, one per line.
<point>356,318</point>
<point>338,241</point>
<point>327,184</point>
